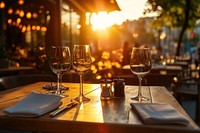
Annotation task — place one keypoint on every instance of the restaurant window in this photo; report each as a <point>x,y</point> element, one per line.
<point>25,26</point>
<point>70,28</point>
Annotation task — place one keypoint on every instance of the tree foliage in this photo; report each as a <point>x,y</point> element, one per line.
<point>175,13</point>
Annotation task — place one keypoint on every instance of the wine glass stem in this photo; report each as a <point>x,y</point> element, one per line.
<point>139,89</point>
<point>60,82</point>
<point>81,85</point>
<point>58,85</point>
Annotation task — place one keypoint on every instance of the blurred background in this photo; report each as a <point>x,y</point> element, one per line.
<point>29,27</point>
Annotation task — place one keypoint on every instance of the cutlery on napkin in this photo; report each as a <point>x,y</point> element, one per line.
<point>66,107</point>
<point>34,105</point>
<point>156,113</point>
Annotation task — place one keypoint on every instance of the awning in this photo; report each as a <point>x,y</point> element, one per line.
<point>94,5</point>
<point>79,5</point>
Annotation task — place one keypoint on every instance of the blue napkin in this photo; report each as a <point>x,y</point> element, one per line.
<point>34,105</point>
<point>156,113</point>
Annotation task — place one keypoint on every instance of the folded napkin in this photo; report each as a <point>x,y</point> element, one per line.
<point>155,113</point>
<point>34,105</point>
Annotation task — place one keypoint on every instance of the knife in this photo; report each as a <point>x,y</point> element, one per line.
<point>66,107</point>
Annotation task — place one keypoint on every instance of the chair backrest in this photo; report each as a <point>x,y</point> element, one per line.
<point>150,79</point>
<point>188,88</point>
<point>10,82</point>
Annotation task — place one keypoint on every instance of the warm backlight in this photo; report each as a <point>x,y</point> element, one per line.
<point>130,10</point>
<point>100,20</point>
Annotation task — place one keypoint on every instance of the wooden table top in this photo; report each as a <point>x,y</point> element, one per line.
<point>97,115</point>
<point>16,68</point>
<point>160,67</point>
<point>157,68</point>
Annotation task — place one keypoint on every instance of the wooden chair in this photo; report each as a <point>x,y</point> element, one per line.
<point>188,88</point>
<point>153,79</point>
<point>10,82</point>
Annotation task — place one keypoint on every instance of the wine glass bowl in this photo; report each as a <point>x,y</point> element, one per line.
<point>140,64</point>
<point>81,64</point>
<point>60,63</point>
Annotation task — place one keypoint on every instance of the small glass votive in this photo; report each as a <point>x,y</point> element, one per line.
<point>106,89</point>
<point>118,85</point>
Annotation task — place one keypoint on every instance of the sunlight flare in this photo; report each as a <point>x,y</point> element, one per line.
<point>130,10</point>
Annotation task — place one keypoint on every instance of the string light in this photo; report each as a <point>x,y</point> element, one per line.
<point>33,27</point>
<point>9,21</point>
<point>20,26</point>
<point>20,2</point>
<point>10,11</point>
<point>44,29</point>
<point>17,12</point>
<point>35,15</point>
<point>19,20</point>
<point>23,28</point>
<point>21,13</point>
<point>38,27</point>
<point>2,4</point>
<point>28,15</point>
<point>28,28</point>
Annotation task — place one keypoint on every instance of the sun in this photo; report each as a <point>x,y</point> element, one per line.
<point>103,20</point>
<point>130,10</point>
<point>99,20</point>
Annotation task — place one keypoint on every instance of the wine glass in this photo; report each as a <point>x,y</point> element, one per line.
<point>140,64</point>
<point>81,64</point>
<point>60,63</point>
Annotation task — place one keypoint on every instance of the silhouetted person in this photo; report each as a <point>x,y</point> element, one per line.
<point>126,53</point>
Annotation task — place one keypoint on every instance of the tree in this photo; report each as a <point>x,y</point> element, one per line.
<point>175,13</point>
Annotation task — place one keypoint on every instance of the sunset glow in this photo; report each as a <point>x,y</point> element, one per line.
<point>102,20</point>
<point>130,10</point>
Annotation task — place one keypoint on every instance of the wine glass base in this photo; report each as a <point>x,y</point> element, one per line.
<point>81,99</point>
<point>52,88</point>
<point>58,94</point>
<point>64,88</point>
<point>143,98</point>
<point>62,95</point>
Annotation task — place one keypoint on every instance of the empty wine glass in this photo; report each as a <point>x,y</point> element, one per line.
<point>140,64</point>
<point>81,64</point>
<point>60,63</point>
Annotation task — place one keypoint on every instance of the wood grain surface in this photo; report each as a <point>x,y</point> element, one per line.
<point>95,116</point>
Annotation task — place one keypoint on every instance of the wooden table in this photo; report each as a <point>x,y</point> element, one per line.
<point>183,64</point>
<point>157,68</point>
<point>16,70</point>
<point>97,116</point>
